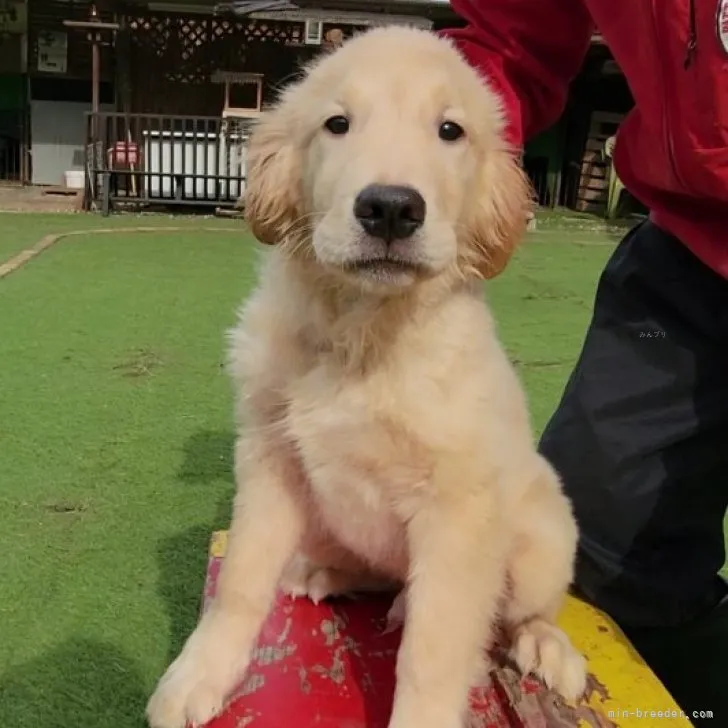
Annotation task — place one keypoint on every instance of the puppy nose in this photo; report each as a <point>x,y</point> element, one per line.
<point>389,211</point>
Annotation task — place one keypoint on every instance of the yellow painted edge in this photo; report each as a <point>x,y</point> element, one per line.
<point>634,696</point>
<point>218,544</point>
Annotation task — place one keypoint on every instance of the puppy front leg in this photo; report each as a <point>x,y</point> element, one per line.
<point>266,528</point>
<point>456,580</point>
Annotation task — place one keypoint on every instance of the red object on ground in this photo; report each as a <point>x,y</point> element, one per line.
<point>331,666</point>
<point>672,150</point>
<point>124,154</point>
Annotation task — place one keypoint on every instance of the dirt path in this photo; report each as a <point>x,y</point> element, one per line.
<point>20,259</point>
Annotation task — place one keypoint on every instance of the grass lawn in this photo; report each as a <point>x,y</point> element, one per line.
<point>21,230</point>
<point>115,434</point>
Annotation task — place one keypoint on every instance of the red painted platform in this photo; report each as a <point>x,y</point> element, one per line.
<point>332,666</point>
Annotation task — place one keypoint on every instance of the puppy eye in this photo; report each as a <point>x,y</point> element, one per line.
<point>449,131</point>
<point>337,124</point>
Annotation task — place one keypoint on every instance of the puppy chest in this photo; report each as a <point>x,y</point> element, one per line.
<point>357,514</point>
<point>360,473</point>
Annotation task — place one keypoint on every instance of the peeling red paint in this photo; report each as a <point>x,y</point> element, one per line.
<point>269,654</point>
<point>304,682</point>
<point>541,707</point>
<point>593,685</point>
<point>283,636</point>
<point>331,628</point>
<point>337,672</point>
<point>327,666</point>
<point>247,719</point>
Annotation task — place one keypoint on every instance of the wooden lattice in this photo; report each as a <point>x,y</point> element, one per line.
<point>167,60</point>
<point>189,49</point>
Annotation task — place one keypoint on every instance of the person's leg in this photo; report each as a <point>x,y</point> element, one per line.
<point>692,662</point>
<point>640,440</point>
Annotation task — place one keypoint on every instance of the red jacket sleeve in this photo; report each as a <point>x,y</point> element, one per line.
<point>529,51</point>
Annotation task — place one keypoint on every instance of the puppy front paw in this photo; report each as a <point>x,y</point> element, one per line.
<point>543,649</point>
<point>184,696</point>
<point>194,688</point>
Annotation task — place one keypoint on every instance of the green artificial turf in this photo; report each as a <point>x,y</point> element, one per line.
<point>116,443</point>
<point>116,465</point>
<point>22,230</point>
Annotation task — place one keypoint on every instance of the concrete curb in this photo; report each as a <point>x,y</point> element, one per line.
<point>21,258</point>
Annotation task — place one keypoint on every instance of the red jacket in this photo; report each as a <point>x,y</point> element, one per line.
<point>672,149</point>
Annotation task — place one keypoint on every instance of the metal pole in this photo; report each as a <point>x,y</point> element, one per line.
<point>95,70</point>
<point>95,75</point>
<point>95,81</point>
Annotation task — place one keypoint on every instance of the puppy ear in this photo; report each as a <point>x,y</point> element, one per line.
<point>272,198</point>
<point>500,210</point>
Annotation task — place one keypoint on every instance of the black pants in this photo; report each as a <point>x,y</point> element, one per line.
<point>640,439</point>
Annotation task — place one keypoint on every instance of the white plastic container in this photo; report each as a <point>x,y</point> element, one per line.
<point>74,179</point>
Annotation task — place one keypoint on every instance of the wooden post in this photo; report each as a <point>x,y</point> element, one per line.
<point>95,83</point>
<point>94,34</point>
<point>95,63</point>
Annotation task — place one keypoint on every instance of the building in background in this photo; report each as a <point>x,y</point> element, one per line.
<point>170,71</point>
<point>13,91</point>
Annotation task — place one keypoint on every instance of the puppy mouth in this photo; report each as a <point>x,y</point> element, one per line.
<point>386,266</point>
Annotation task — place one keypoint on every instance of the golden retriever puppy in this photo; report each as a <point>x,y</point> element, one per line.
<point>384,438</point>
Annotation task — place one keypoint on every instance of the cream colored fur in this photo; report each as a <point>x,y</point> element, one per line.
<point>384,439</point>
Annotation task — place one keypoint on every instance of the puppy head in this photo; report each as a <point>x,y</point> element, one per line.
<point>386,165</point>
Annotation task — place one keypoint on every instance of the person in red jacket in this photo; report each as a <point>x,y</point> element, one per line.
<point>640,436</point>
